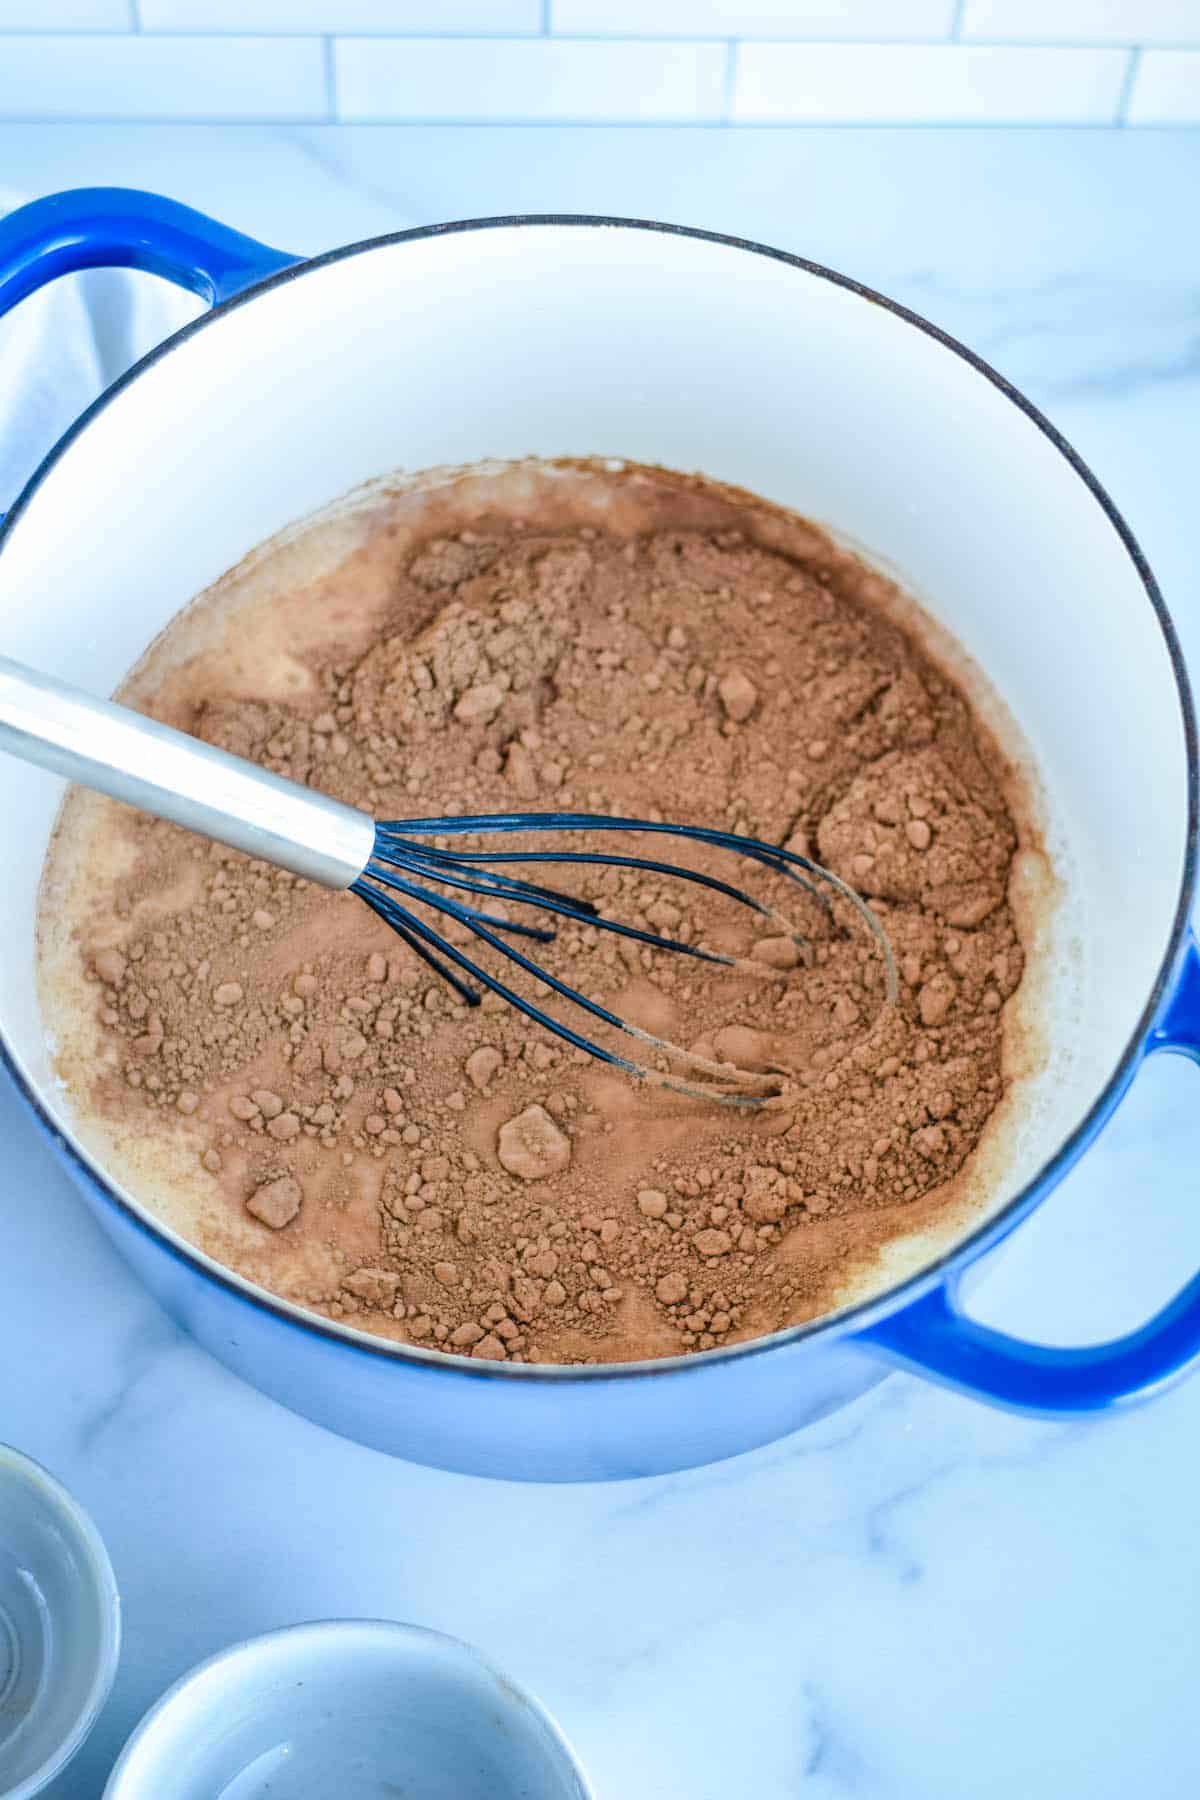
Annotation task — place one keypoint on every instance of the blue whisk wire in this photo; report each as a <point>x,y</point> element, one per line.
<point>403,865</point>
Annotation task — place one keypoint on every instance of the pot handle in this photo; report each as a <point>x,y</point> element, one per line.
<point>934,1337</point>
<point>91,228</point>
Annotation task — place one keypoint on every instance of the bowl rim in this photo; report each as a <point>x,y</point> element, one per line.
<point>324,1635</point>
<point>54,1497</point>
<point>851,1317</point>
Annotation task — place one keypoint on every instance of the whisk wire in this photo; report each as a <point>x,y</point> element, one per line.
<point>405,867</point>
<point>405,922</point>
<point>474,921</point>
<point>771,854</point>
<point>529,890</point>
<point>561,908</point>
<point>394,918</point>
<point>596,857</point>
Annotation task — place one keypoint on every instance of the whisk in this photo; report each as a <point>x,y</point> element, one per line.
<point>405,872</point>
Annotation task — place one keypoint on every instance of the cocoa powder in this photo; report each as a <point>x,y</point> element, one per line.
<point>459,1178</point>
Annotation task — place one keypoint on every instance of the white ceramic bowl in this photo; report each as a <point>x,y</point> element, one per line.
<point>60,1626</point>
<point>354,1707</point>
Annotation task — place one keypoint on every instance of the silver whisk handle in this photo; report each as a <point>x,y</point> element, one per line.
<point>165,772</point>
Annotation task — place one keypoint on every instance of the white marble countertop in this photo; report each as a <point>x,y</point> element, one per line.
<point>919,1599</point>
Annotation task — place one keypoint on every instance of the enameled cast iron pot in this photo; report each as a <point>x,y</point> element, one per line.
<point>569,336</point>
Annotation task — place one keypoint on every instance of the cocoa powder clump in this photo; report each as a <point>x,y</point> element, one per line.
<point>458,1178</point>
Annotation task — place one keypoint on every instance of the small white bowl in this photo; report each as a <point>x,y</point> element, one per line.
<point>60,1626</point>
<point>354,1707</point>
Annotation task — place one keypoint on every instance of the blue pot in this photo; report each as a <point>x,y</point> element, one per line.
<point>590,336</point>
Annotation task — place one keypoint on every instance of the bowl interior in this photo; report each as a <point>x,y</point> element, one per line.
<point>58,1626</point>
<point>362,1708</point>
<point>556,339</point>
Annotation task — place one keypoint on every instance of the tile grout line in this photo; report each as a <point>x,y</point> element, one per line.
<point>1127,86</point>
<point>610,122</point>
<point>729,82</point>
<point>665,40</point>
<point>956,23</point>
<point>330,69</point>
<point>545,24</point>
<point>162,34</point>
<point>135,15</point>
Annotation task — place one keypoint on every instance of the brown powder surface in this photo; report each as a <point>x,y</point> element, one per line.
<point>381,1153</point>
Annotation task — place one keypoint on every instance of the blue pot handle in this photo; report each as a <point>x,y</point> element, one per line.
<point>934,1337</point>
<point>93,228</point>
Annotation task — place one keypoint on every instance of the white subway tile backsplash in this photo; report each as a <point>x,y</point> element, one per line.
<point>748,62</point>
<point>535,79</point>
<point>1166,89</point>
<point>65,15</point>
<point>452,16</point>
<point>928,83</point>
<point>1084,21</point>
<point>757,18</point>
<point>139,77</point>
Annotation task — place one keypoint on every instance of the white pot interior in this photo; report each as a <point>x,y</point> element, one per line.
<point>608,341</point>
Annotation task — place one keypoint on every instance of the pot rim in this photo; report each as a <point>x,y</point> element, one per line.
<point>848,1318</point>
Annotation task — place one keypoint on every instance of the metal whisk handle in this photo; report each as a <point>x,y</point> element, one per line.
<point>177,777</point>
